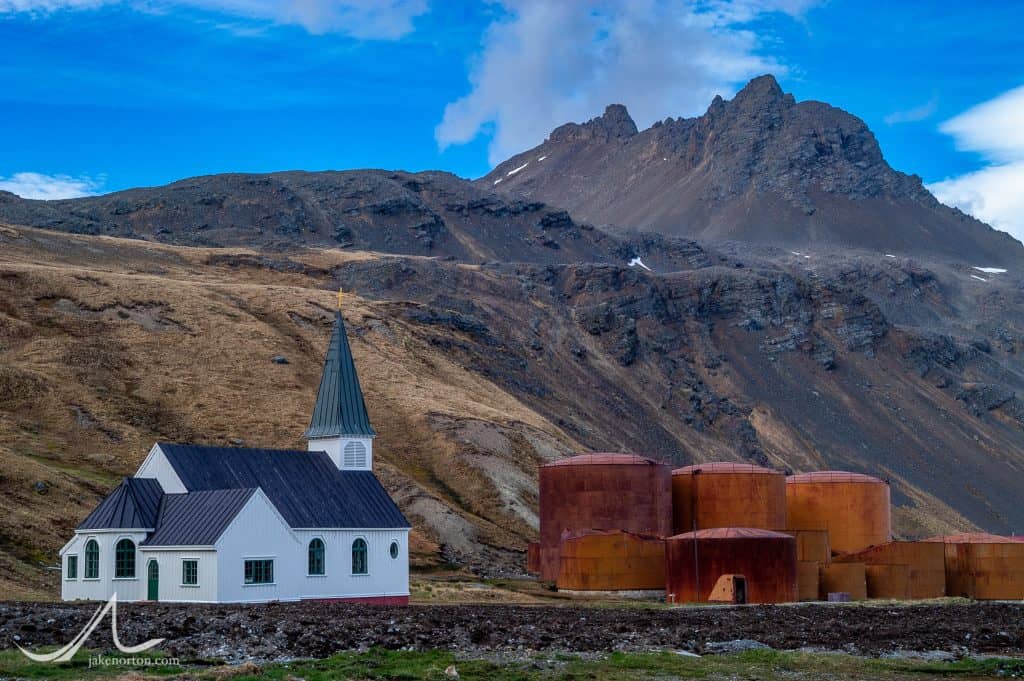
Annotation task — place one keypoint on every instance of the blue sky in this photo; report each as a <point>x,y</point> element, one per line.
<point>99,95</point>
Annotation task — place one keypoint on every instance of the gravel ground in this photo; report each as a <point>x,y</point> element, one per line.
<point>294,630</point>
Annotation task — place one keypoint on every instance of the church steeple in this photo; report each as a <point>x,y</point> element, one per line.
<point>340,425</point>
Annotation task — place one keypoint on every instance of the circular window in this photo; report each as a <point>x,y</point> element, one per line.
<point>394,549</point>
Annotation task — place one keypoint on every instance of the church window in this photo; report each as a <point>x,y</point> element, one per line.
<point>316,557</point>
<point>259,571</point>
<point>124,559</point>
<point>92,559</point>
<point>359,566</point>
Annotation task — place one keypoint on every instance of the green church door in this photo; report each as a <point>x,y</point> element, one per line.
<point>153,574</point>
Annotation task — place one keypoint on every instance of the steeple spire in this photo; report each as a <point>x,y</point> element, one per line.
<point>340,409</point>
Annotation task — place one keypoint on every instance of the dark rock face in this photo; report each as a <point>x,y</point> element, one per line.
<point>407,213</point>
<point>761,167</point>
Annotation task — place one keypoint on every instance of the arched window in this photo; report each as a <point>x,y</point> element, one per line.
<point>359,557</point>
<point>92,559</point>
<point>124,559</point>
<point>316,557</point>
<point>355,455</point>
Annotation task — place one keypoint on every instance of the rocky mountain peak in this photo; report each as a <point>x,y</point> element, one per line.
<point>614,123</point>
<point>762,88</point>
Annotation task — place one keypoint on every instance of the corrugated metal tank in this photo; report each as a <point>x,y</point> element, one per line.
<point>533,558</point>
<point>604,492</point>
<point>848,578</point>
<point>853,507</point>
<point>695,561</point>
<point>983,566</point>
<point>925,563</point>
<point>726,494</point>
<point>611,560</point>
<point>888,581</point>
<point>807,580</point>
<point>812,545</point>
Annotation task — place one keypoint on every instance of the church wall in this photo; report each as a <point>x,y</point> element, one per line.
<point>103,588</point>
<point>386,576</point>
<point>171,589</point>
<point>258,531</point>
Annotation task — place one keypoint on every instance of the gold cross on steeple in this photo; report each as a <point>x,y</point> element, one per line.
<point>341,294</point>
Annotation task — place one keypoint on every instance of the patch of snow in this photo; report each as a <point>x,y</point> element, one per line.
<point>889,255</point>
<point>497,181</point>
<point>664,159</point>
<point>807,256</point>
<point>975,276</point>
<point>638,262</point>
<point>542,158</point>
<point>795,252</point>
<point>991,270</point>
<point>516,170</point>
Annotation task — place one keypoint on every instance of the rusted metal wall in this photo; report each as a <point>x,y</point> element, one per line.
<point>611,561</point>
<point>888,581</point>
<point>728,495</point>
<point>807,580</point>
<point>601,491</point>
<point>925,563</point>
<point>695,561</point>
<point>986,567</point>
<point>812,545</point>
<point>854,508</point>
<point>848,578</point>
<point>533,558</point>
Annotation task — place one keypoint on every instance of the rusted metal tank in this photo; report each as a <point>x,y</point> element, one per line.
<point>850,578</point>
<point>925,563</point>
<point>807,580</point>
<point>696,560</point>
<point>812,545</point>
<point>853,507</point>
<point>533,558</point>
<point>726,494</point>
<point>888,581</point>
<point>983,566</point>
<point>603,492</point>
<point>611,560</point>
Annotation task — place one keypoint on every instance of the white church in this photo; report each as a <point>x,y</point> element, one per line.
<point>231,525</point>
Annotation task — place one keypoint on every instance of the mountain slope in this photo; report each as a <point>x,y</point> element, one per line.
<point>476,374</point>
<point>759,168</point>
<point>429,213</point>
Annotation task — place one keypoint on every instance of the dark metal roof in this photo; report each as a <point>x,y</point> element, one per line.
<point>197,518</point>
<point>132,505</point>
<point>340,409</point>
<point>305,487</point>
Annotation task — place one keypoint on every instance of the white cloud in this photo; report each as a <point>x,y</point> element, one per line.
<point>364,19</point>
<point>547,63</point>
<point>39,186</point>
<point>918,113</point>
<point>993,194</point>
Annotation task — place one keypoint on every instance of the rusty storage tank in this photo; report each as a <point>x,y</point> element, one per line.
<point>533,558</point>
<point>983,566</point>
<point>807,579</point>
<point>812,545</point>
<point>611,560</point>
<point>601,491</point>
<point>850,578</point>
<point>888,581</point>
<point>853,507</point>
<point>696,560</point>
<point>726,494</point>
<point>925,562</point>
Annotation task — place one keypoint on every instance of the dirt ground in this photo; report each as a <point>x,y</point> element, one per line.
<point>297,630</point>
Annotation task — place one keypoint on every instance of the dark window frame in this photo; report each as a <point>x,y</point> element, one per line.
<point>258,571</point>
<point>360,560</point>
<point>316,558</point>
<point>124,559</point>
<point>189,572</point>
<point>92,560</point>
<point>71,566</point>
